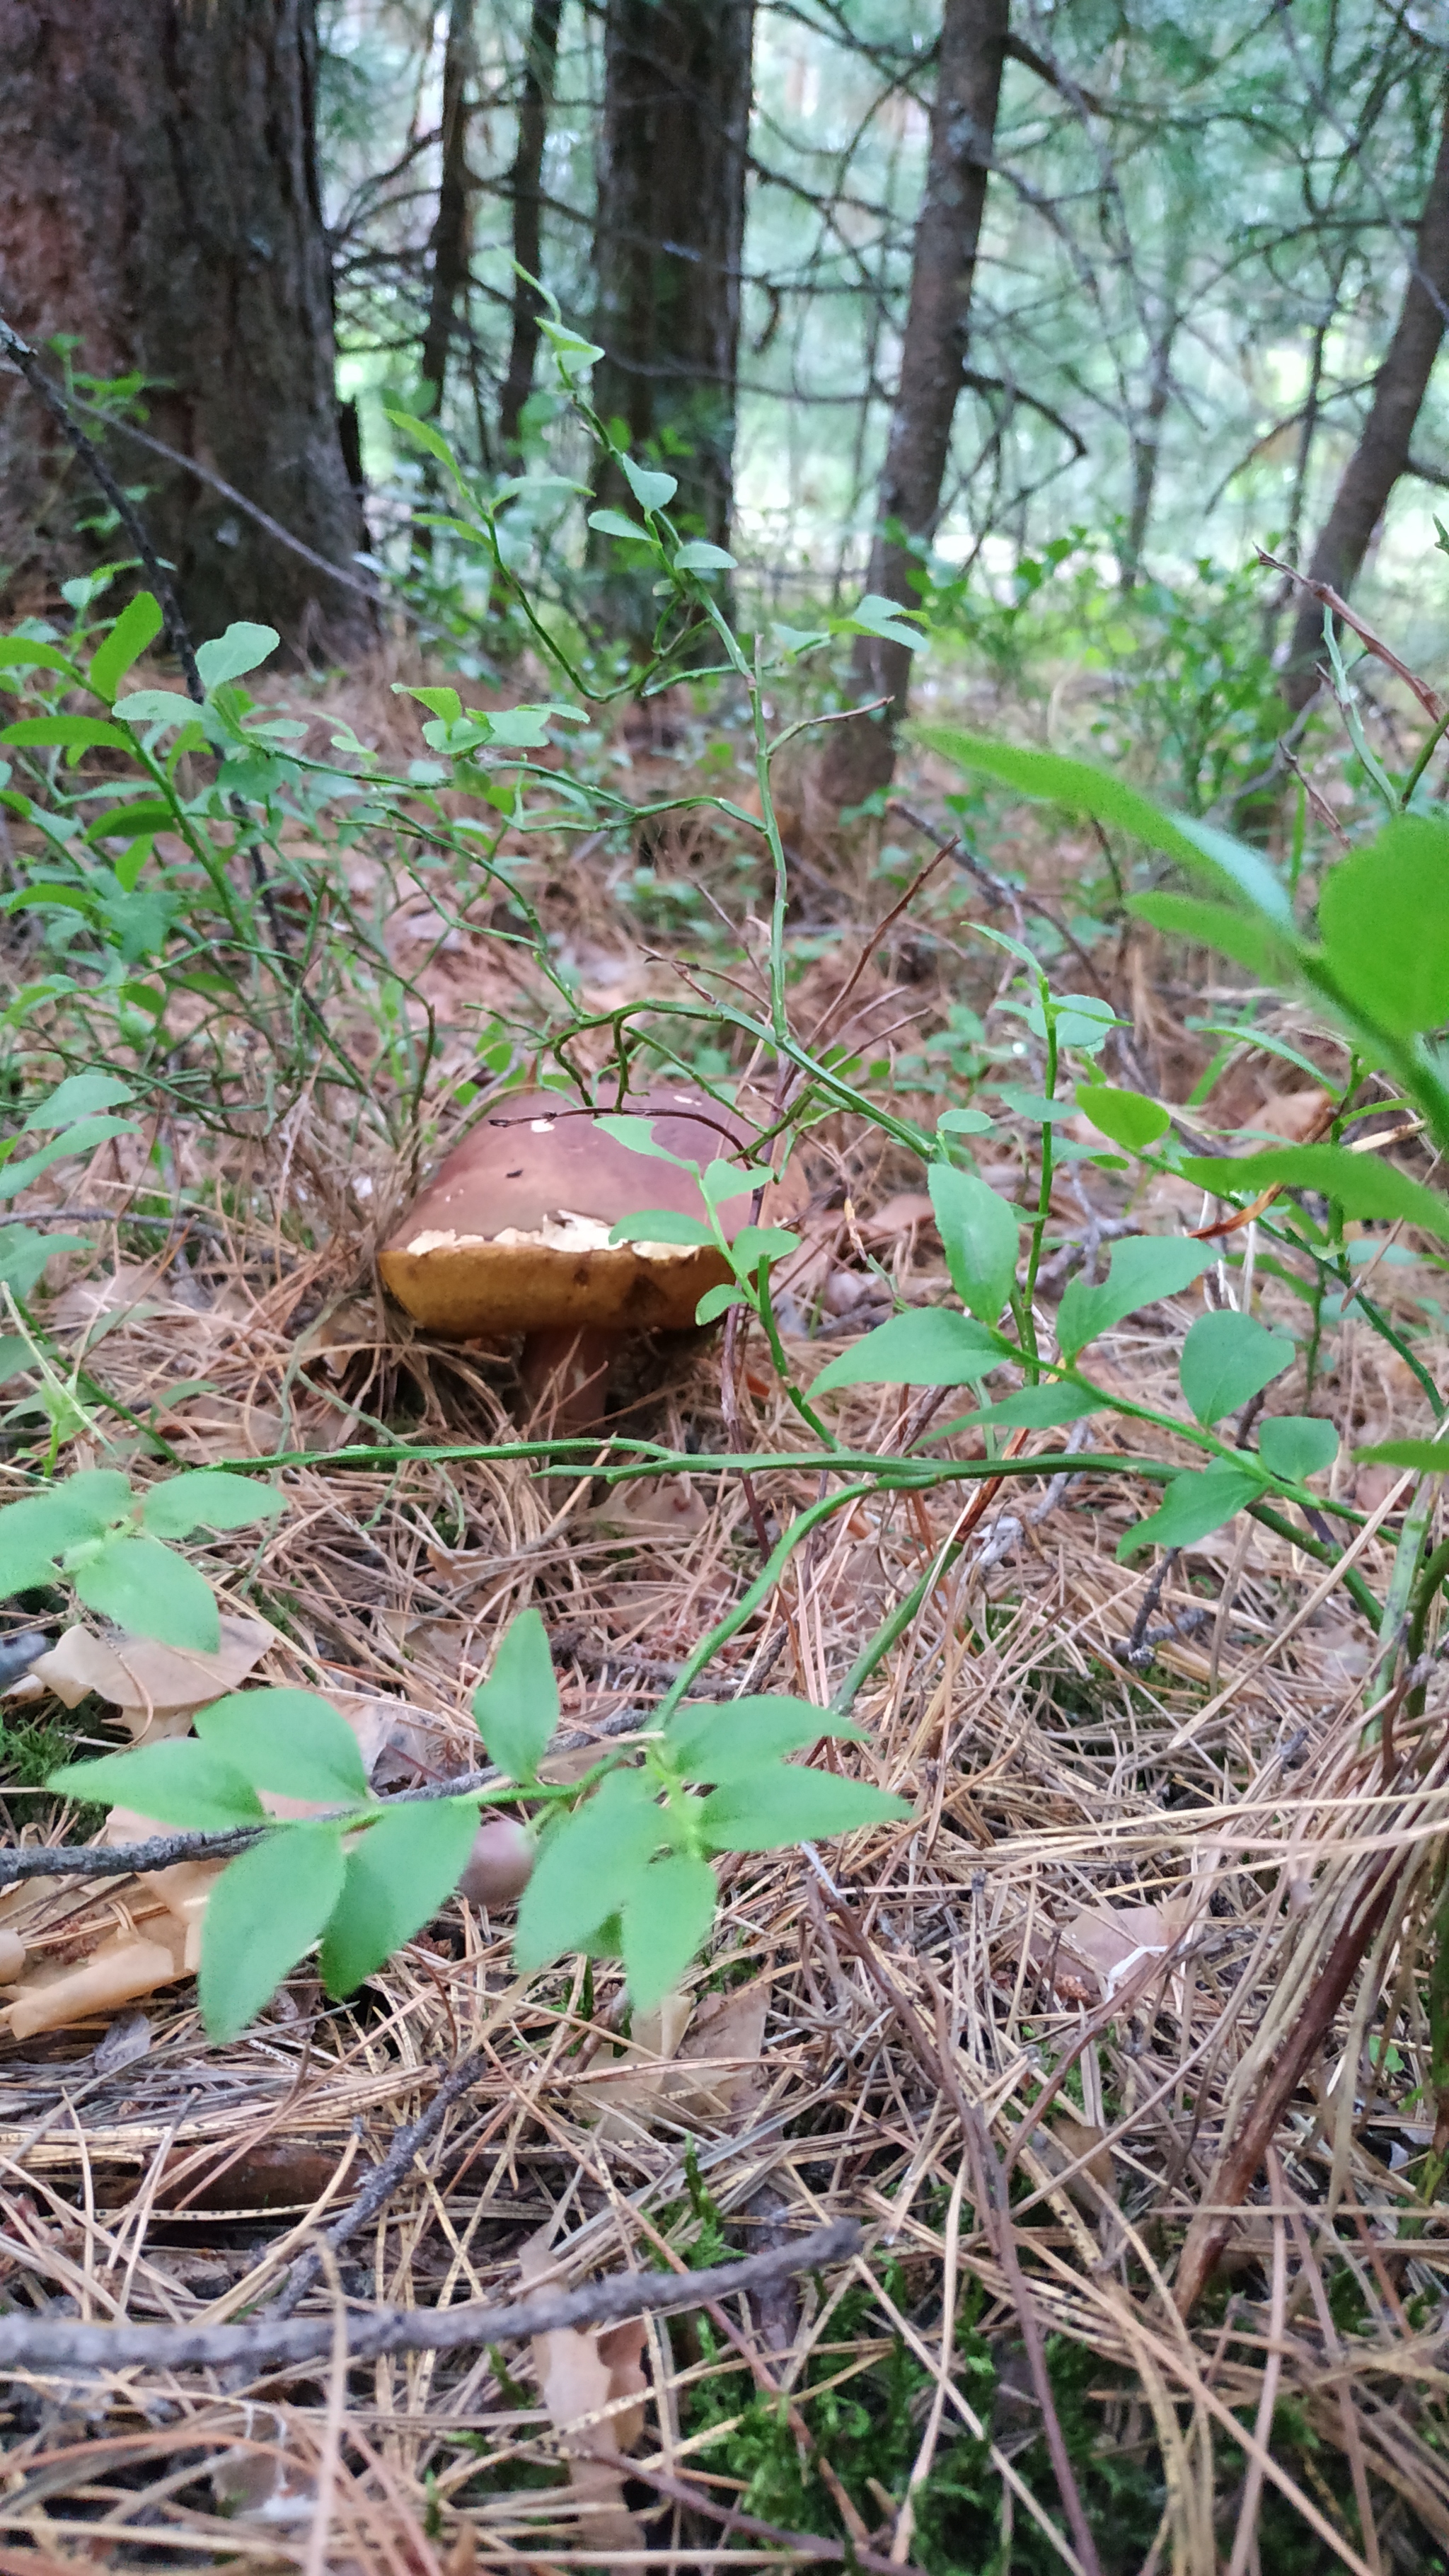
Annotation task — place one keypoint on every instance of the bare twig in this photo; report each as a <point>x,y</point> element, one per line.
<point>1329,598</point>
<point>45,2343</point>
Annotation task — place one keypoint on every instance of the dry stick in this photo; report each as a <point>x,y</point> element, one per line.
<point>177,633</point>
<point>394,2169</point>
<point>45,2343</point>
<point>993,2204</point>
<point>1329,598</point>
<point>249,509</point>
<point>1211,2228</point>
<point>125,1860</point>
<point>1245,2543</point>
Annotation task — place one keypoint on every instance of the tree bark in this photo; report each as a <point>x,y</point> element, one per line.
<point>448,249</point>
<point>1382,452</point>
<point>861,754</point>
<point>668,246</point>
<point>524,187</point>
<point>159,202</point>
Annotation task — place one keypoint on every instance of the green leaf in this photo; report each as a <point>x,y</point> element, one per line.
<point>139,623</point>
<point>262,1916</point>
<point>1296,1445</point>
<point>423,434</point>
<point>41,1527</point>
<point>516,1709</point>
<point>660,1225</point>
<point>876,615</point>
<point>155,706</point>
<point>398,1875</point>
<point>721,1181</point>
<point>229,656</point>
<point>1194,1505</point>
<point>1383,916</point>
<point>698,556</point>
<point>729,1739</point>
<point>1226,1360</point>
<point>289,1741</point>
<point>27,1253</point>
<point>638,1135</point>
<point>756,1243</point>
<point>144,1587</point>
<point>1142,1269</point>
<point>179,1783</point>
<point>612,523</point>
<point>1427,1457</point>
<point>585,1868</point>
<point>207,1498</point>
<point>26,653</point>
<point>79,1096</point>
<point>520,728</point>
<point>651,491</point>
<point>81,1139</point>
<point>930,1347</point>
<point>68,733</point>
<point>445,703</point>
<point>664,1921</point>
<point>1239,935</point>
<point>979,1233</point>
<point>964,1122</point>
<point>1363,1185</point>
<point>1036,1408</point>
<point>782,1803</point>
<point>717,1301</point>
<point>572,352</point>
<point>1127,1117</point>
<point>1082,789</point>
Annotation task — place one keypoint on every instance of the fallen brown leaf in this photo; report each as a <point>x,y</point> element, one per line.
<point>580,2376</point>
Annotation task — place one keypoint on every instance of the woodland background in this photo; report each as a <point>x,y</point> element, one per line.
<point>1045,371</point>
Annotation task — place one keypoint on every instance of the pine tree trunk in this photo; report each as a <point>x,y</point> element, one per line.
<point>668,246</point>
<point>524,185</point>
<point>159,201</point>
<point>861,754</point>
<point>1382,452</point>
<point>448,250</point>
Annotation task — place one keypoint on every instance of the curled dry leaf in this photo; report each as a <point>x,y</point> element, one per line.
<point>1106,1954</point>
<point>12,1958</point>
<point>703,2069</point>
<point>657,1508</point>
<point>155,1688</point>
<point>593,2386</point>
<point>124,1967</point>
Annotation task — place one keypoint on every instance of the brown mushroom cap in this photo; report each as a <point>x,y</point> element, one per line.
<point>511,1234</point>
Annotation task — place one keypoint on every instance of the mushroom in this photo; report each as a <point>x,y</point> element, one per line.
<point>511,1235</point>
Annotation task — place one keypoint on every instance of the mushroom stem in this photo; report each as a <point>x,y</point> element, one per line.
<point>565,1373</point>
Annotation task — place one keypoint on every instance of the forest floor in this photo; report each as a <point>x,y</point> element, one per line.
<point>1016,2038</point>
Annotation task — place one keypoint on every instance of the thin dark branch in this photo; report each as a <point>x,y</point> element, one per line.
<point>177,635</point>
<point>45,2343</point>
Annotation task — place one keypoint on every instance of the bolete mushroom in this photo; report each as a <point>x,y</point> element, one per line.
<point>511,1235</point>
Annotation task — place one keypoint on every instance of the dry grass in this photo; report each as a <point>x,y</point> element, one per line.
<point>858,2017</point>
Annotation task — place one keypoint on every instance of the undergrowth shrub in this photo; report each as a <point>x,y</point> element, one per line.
<point>169,854</point>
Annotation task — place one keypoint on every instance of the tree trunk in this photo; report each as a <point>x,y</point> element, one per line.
<point>668,245</point>
<point>524,187</point>
<point>861,754</point>
<point>1382,452</point>
<point>159,202</point>
<point>448,250</point>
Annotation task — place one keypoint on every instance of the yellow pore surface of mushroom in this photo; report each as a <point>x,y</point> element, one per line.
<point>512,1233</point>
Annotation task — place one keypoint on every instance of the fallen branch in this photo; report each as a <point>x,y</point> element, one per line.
<point>46,2343</point>
<point>1373,642</point>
